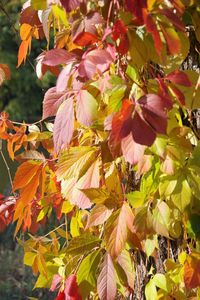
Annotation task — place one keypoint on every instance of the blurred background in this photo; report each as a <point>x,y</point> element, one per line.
<point>22,98</point>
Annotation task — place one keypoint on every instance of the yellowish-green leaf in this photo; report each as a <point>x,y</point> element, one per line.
<point>39,4</point>
<point>29,258</point>
<point>182,194</point>
<point>86,275</point>
<point>82,243</point>
<point>66,207</point>
<point>150,291</point>
<point>161,282</point>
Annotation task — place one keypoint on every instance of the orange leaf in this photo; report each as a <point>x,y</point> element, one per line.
<point>85,39</point>
<point>6,70</point>
<point>23,51</point>
<point>172,40</point>
<point>192,271</point>
<point>25,31</point>
<point>117,230</point>
<point>26,196</point>
<point>25,174</point>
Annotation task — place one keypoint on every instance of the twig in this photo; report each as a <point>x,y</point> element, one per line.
<point>6,164</point>
<point>52,231</point>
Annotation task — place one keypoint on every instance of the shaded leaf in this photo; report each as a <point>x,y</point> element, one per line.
<point>82,244</point>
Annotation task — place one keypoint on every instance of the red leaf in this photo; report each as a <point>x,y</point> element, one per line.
<point>106,282</point>
<point>136,7</point>
<point>85,39</point>
<point>142,132</point>
<point>152,28</point>
<point>175,19</point>
<point>70,5</point>
<point>52,101</point>
<point>30,16</point>
<point>117,230</point>
<point>41,68</point>
<point>71,288</point>
<point>6,211</point>
<point>60,296</point>
<point>178,94</point>
<point>56,280</point>
<point>179,77</point>
<point>87,24</point>
<point>95,61</point>
<point>121,122</point>
<point>119,29</point>
<point>172,39</point>
<point>56,57</point>
<point>119,32</point>
<point>64,125</point>
<point>154,111</point>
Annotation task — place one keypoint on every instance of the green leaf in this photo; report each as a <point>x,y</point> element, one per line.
<point>193,226</point>
<point>42,213</point>
<point>60,14</point>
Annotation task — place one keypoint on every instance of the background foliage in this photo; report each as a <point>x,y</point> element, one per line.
<point>106,197</point>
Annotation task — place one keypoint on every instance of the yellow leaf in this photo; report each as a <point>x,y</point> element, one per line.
<point>75,162</point>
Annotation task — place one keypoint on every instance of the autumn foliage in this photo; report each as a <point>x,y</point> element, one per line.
<point>114,163</point>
